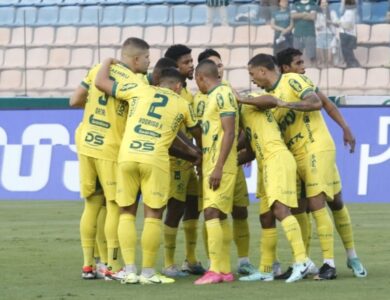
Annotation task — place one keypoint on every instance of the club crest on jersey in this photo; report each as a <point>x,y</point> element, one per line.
<point>220,102</point>
<point>128,86</point>
<point>200,109</point>
<point>295,85</point>
<point>232,100</point>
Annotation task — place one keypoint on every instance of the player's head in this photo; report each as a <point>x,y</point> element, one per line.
<point>206,75</point>
<point>213,55</point>
<point>283,3</point>
<point>135,54</point>
<point>260,67</point>
<point>162,63</point>
<point>181,54</point>
<point>290,61</point>
<point>172,79</point>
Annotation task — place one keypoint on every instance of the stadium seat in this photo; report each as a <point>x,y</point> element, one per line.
<point>155,35</point>
<point>155,55</point>
<point>264,36</point>
<point>378,12</point>
<point>378,78</point>
<point>47,15</point>
<point>132,31</point>
<point>34,79</point>
<point>378,56</point>
<point>180,15</point>
<point>37,57</point>
<point>239,57</point>
<point>9,2</point>
<point>105,52</point>
<point>199,35</point>
<point>54,79</point>
<point>331,78</point>
<point>225,55</point>
<point>195,53</point>
<point>110,36</point>
<point>239,79</point>
<point>135,15</point>
<point>366,12</point>
<point>17,37</point>
<point>176,35</point>
<point>66,35</point>
<point>361,54</point>
<point>69,15</point>
<point>29,12</point>
<point>335,6</point>
<point>253,10</point>
<point>1,57</point>
<point>50,2</point>
<point>157,15</point>
<point>176,1</point>
<point>7,16</point>
<point>11,79</point>
<point>354,78</point>
<point>380,34</point>
<point>82,57</point>
<point>221,36</point>
<point>87,36</point>
<point>244,35</point>
<point>314,75</point>
<point>90,15</point>
<point>5,35</point>
<point>13,58</point>
<point>59,57</point>
<point>75,76</point>
<point>72,2</point>
<point>199,15</point>
<point>92,2</point>
<point>28,2</point>
<point>264,50</point>
<point>112,15</point>
<point>196,1</point>
<point>43,36</point>
<point>363,33</point>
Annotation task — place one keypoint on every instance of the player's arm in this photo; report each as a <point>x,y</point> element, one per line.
<point>333,112</point>
<point>309,102</point>
<point>196,132</point>
<point>246,154</point>
<point>183,148</point>
<point>79,97</point>
<point>261,102</point>
<point>241,141</point>
<point>228,127</point>
<point>103,81</point>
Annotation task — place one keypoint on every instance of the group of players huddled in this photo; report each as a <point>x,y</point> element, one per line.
<point>136,140</point>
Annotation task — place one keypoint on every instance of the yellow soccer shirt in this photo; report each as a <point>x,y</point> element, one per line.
<point>104,118</point>
<point>303,132</point>
<point>220,102</point>
<point>199,105</point>
<point>155,116</point>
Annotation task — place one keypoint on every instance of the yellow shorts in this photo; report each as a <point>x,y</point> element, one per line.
<point>222,198</point>
<point>182,181</point>
<point>152,181</point>
<point>277,181</point>
<point>94,171</point>
<point>241,197</point>
<point>320,174</point>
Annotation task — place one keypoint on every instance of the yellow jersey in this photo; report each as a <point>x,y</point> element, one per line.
<point>303,132</point>
<point>220,102</point>
<point>155,116</point>
<point>101,130</point>
<point>199,105</point>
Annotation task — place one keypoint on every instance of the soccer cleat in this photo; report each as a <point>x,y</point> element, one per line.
<point>155,279</point>
<point>326,272</point>
<point>101,270</point>
<point>285,275</point>
<point>130,278</point>
<point>173,271</point>
<point>300,270</point>
<point>313,270</point>
<point>258,276</point>
<point>246,269</point>
<point>88,273</point>
<point>276,268</point>
<point>194,269</point>
<point>209,277</point>
<point>118,275</point>
<point>357,268</point>
<point>227,277</point>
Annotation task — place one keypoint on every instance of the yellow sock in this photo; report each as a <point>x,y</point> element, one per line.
<point>268,242</point>
<point>215,241</point>
<point>127,234</point>
<point>241,237</point>
<point>225,266</point>
<point>303,222</point>
<point>151,239</point>
<point>169,245</point>
<point>88,226</point>
<point>325,232</point>
<point>111,230</point>
<point>101,242</point>
<point>344,227</point>
<point>294,236</point>
<point>191,235</point>
<point>309,233</point>
<point>205,240</point>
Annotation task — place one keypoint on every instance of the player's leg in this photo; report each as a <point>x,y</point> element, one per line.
<point>101,244</point>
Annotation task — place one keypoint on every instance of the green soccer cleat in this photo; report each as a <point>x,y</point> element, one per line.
<point>246,269</point>
<point>357,268</point>
<point>155,279</point>
<point>258,276</point>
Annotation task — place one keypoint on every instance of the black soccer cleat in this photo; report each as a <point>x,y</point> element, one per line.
<point>284,275</point>
<point>326,272</point>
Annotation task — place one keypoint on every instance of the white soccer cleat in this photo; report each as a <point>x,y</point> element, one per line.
<point>155,279</point>
<point>173,271</point>
<point>130,278</point>
<point>119,275</point>
<point>300,270</point>
<point>101,270</point>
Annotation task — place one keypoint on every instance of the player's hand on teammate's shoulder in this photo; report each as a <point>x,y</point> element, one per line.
<point>111,61</point>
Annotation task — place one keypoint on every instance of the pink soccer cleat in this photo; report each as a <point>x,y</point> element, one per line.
<point>209,277</point>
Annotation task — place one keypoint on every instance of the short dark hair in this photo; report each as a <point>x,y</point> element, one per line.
<point>174,52</point>
<point>208,68</point>
<point>208,53</point>
<point>164,63</point>
<point>172,75</point>
<point>263,60</point>
<point>286,56</point>
<point>135,42</point>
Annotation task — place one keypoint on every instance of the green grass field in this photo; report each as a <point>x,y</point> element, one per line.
<point>40,258</point>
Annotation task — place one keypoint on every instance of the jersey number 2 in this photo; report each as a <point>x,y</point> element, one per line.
<point>162,103</point>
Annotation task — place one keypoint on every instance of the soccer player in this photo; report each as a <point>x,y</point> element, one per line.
<point>290,60</point>
<point>155,116</point>
<point>163,63</point>
<point>183,200</point>
<point>98,138</point>
<point>219,169</point>
<point>241,234</point>
<point>276,189</point>
<point>307,137</point>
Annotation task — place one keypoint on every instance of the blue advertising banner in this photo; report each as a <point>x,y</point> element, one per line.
<point>38,159</point>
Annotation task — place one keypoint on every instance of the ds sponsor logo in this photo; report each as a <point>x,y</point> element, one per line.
<point>94,139</point>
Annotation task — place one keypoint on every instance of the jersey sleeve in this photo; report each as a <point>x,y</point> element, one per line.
<point>301,85</point>
<point>190,120</point>
<point>124,90</point>
<point>88,79</point>
<point>226,103</point>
